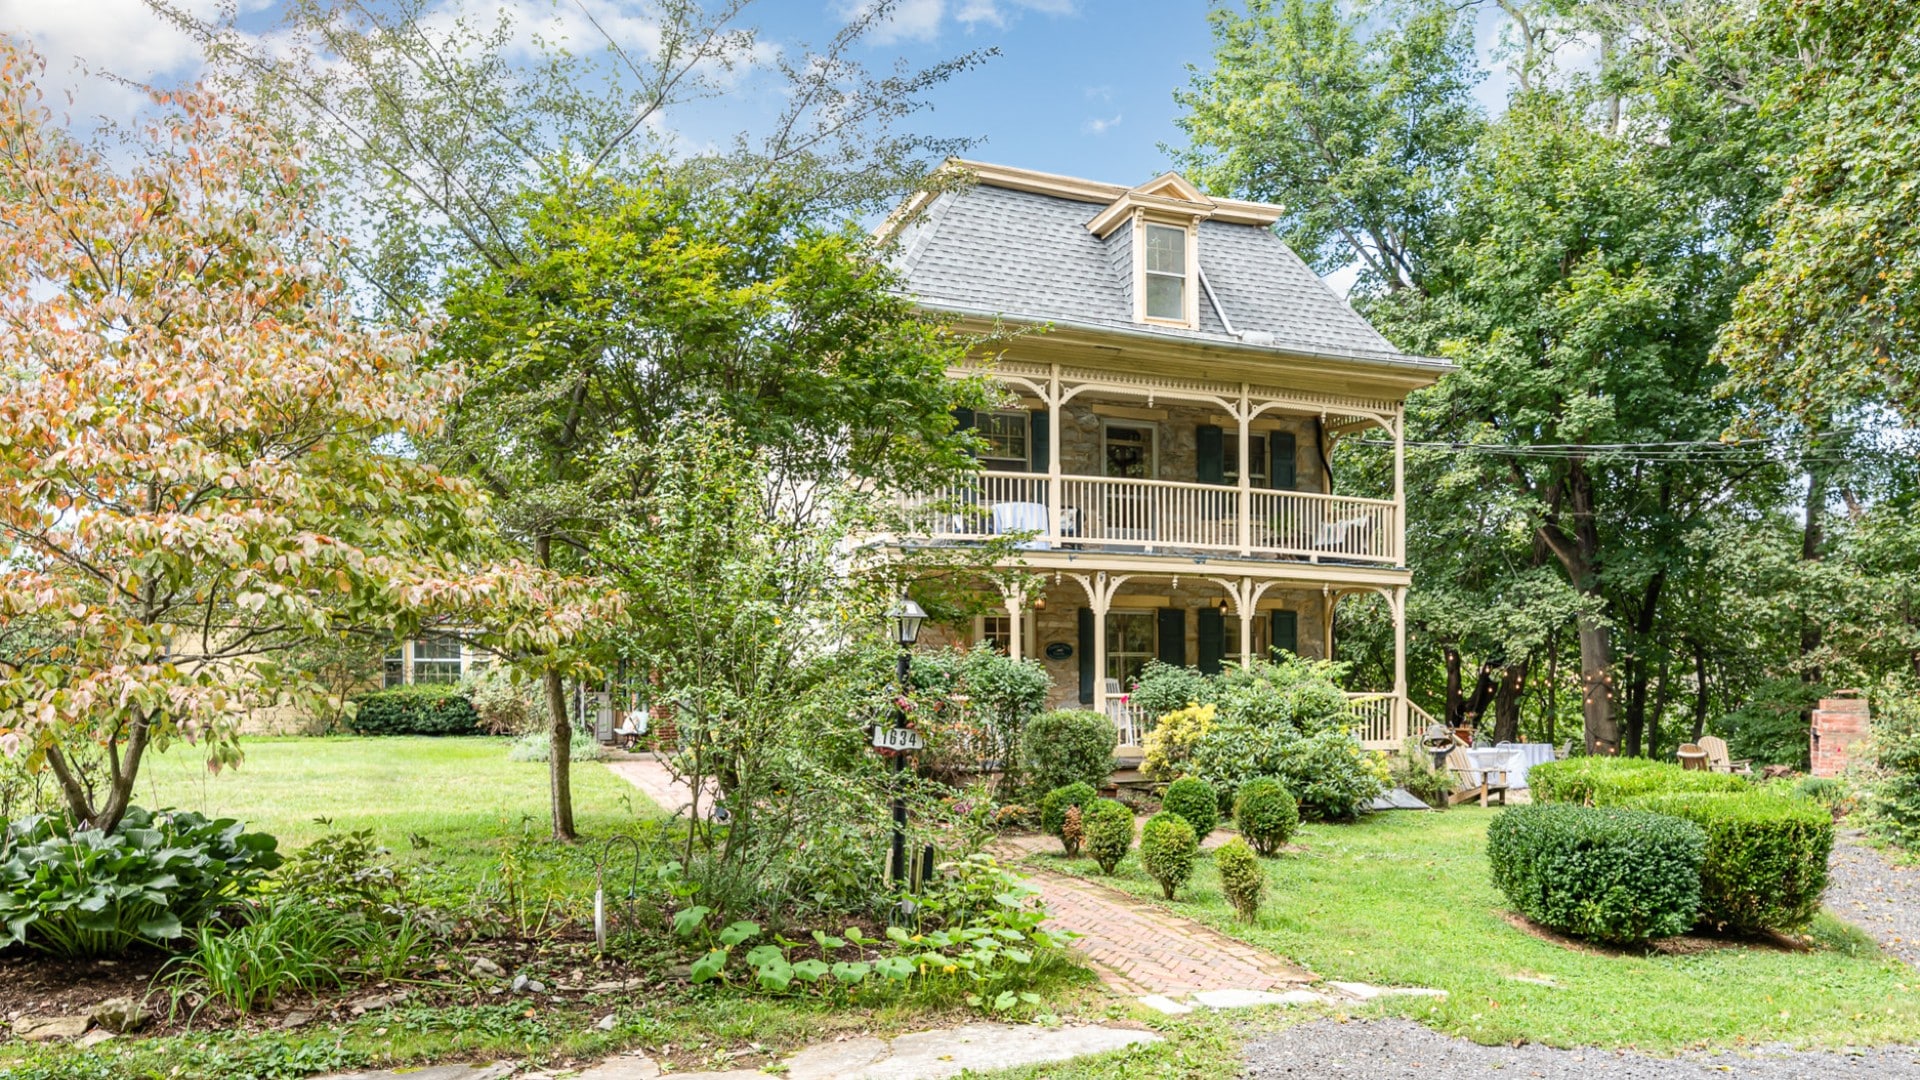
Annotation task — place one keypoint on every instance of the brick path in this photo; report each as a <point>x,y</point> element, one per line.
<point>1136,947</point>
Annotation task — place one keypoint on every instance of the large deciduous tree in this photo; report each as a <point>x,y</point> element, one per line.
<point>204,457</point>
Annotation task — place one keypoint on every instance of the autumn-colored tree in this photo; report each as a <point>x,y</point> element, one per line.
<point>204,457</point>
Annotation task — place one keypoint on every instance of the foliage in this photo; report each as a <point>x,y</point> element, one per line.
<point>538,747</point>
<point>1611,781</point>
<point>84,892</point>
<point>1194,800</point>
<point>1241,879</point>
<point>1230,754</point>
<point>346,871</point>
<point>1611,875</point>
<point>198,467</point>
<point>1053,812</point>
<point>1073,830</point>
<point>289,946</point>
<point>1266,813</point>
<point>1163,688</point>
<point>1766,857</point>
<point>1770,726</point>
<point>1168,849</point>
<point>1413,770</point>
<point>505,704</point>
<point>1893,800</point>
<point>984,700</point>
<point>1331,776</point>
<point>419,709</point>
<point>1170,743</point>
<point>1109,828</point>
<point>1296,695</point>
<point>1068,746</point>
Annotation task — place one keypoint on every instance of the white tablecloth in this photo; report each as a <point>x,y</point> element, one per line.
<point>1529,755</point>
<point>1493,759</point>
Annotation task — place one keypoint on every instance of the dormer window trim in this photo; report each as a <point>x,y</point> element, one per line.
<point>1143,224</point>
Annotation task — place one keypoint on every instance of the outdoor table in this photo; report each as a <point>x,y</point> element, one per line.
<point>1486,759</point>
<point>1530,754</point>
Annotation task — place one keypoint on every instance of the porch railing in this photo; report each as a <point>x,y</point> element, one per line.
<point>1376,721</point>
<point>1130,721</point>
<point>1155,516</point>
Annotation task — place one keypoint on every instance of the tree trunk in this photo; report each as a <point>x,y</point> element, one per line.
<point>1483,693</point>
<point>1553,687</point>
<point>1506,703</point>
<point>1659,705</point>
<point>1455,707</point>
<point>560,761</point>
<point>1597,706</point>
<point>1637,667</point>
<point>1700,690</point>
<point>1812,538</point>
<point>1578,551</point>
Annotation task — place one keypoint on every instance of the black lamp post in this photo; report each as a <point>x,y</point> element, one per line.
<point>907,617</point>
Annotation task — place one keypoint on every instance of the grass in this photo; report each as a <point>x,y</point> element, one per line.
<point>1404,899</point>
<point>461,796</point>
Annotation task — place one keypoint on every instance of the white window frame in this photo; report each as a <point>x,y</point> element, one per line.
<point>1026,630</point>
<point>1153,444</point>
<point>1019,416</point>
<point>1189,285</point>
<point>1230,636</point>
<point>1257,449</point>
<point>406,655</point>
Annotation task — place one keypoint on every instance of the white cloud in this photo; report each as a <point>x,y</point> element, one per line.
<point>1100,125</point>
<point>1099,93</point>
<point>84,40</point>
<point>922,20</point>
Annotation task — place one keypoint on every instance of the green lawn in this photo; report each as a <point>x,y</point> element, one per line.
<point>1404,899</point>
<point>460,795</point>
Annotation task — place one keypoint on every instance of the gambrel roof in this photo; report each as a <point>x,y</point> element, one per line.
<point>1035,248</point>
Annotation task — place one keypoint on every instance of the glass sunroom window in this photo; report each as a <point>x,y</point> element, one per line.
<point>1166,272</point>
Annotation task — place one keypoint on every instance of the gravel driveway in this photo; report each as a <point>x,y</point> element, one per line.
<point>1882,899</point>
<point>1401,1048</point>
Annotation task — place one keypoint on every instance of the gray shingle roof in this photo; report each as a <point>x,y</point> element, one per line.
<point>1029,257</point>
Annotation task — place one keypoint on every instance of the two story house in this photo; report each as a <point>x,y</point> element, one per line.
<point>1164,456</point>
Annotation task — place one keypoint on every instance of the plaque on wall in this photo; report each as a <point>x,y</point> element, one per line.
<point>1059,650</point>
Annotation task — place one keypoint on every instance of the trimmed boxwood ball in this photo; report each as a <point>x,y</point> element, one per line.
<point>1241,878</point>
<point>1068,746</point>
<point>1766,861</point>
<point>1606,874</point>
<point>1265,813</point>
<point>1109,828</point>
<point>1053,812</point>
<point>1615,781</point>
<point>1194,799</point>
<point>1168,848</point>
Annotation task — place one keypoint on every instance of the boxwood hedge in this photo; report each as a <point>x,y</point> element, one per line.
<point>1607,874</point>
<point>1613,781</point>
<point>423,709</point>
<point>1766,858</point>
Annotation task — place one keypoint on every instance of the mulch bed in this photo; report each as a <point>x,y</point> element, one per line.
<point>1684,945</point>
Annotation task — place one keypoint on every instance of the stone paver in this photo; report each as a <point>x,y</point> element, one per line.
<point>654,780</point>
<point>498,1070</point>
<point>1140,949</point>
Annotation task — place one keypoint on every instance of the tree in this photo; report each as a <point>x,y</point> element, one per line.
<point>203,454</point>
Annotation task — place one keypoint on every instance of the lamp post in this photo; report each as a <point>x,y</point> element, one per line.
<point>907,617</point>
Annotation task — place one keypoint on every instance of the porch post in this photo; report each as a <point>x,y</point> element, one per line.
<point>1243,603</point>
<point>1054,524</point>
<point>1016,601</point>
<point>1399,602</point>
<point>1328,601</point>
<point>1400,487</point>
<point>1245,499</point>
<point>1100,598</point>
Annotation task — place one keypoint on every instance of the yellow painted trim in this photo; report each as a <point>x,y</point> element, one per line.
<point>1126,412</point>
<point>1237,211</point>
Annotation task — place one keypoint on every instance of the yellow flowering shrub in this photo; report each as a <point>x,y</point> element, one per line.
<point>1171,742</point>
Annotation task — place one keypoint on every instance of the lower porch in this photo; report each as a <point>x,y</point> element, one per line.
<point>1094,630</point>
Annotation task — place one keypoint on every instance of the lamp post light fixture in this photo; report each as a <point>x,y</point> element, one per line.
<point>906,617</point>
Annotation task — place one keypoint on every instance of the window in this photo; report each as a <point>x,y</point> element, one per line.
<point>996,632</point>
<point>396,667</point>
<point>1129,451</point>
<point>1166,272</point>
<point>1131,641</point>
<point>1005,433</point>
<point>436,660</point>
<point>1256,449</point>
<point>1230,638</point>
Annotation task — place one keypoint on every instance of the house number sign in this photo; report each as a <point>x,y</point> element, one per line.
<point>1059,650</point>
<point>897,738</point>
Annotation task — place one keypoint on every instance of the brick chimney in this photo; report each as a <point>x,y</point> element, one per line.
<point>1838,723</point>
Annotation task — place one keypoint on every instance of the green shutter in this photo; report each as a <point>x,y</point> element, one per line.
<point>1213,639</point>
<point>1281,474</point>
<point>1173,636</point>
<point>1037,439</point>
<point>1086,656</point>
<point>1286,631</point>
<point>1210,454</point>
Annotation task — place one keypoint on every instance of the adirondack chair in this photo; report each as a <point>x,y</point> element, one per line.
<point>1473,783</point>
<point>1717,759</point>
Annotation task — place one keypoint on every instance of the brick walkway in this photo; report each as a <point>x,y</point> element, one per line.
<point>1136,947</point>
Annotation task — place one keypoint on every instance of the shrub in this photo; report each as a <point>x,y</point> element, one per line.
<point>1301,696</point>
<point>422,709</point>
<point>346,871</point>
<point>290,946</point>
<point>503,705</point>
<point>1612,875</point>
<point>1073,830</point>
<point>1893,800</point>
<point>1241,878</point>
<point>1067,746</point>
<point>1166,749</point>
<point>1232,753</point>
<point>1195,800</point>
<point>1168,848</point>
<point>1053,811</point>
<point>1266,814</point>
<point>1163,688</point>
<point>1109,827</point>
<point>90,893</point>
<point>1412,769</point>
<point>1612,781</point>
<point>538,746</point>
<point>1766,860</point>
<point>990,698</point>
<point>1331,775</point>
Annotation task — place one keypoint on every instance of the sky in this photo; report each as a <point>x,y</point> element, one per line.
<point>1082,87</point>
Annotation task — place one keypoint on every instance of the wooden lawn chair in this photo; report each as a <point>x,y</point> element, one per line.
<point>1717,759</point>
<point>1691,757</point>
<point>1472,782</point>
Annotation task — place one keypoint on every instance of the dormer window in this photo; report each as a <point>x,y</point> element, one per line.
<point>1165,269</point>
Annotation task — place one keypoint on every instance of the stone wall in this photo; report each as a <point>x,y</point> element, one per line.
<point>1838,723</point>
<point>1080,441</point>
